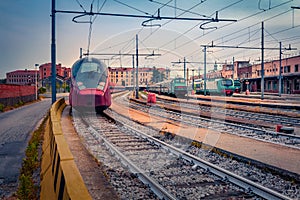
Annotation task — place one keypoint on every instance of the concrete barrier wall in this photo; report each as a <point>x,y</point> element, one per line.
<point>60,177</point>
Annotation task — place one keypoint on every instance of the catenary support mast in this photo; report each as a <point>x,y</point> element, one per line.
<point>53,54</point>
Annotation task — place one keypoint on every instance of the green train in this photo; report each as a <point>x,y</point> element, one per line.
<point>176,87</point>
<point>222,86</point>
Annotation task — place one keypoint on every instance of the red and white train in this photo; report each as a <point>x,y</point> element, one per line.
<point>90,88</point>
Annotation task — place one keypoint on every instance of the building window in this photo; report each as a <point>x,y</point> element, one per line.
<point>296,68</point>
<point>287,69</point>
<point>275,85</point>
<point>269,85</point>
<point>296,84</point>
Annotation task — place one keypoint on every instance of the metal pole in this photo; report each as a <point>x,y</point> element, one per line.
<point>133,85</point>
<point>80,52</point>
<point>193,80</point>
<point>280,76</point>
<point>262,84</point>
<point>187,76</point>
<point>184,68</point>
<point>137,70</point>
<point>53,53</point>
<point>233,68</point>
<point>204,70</point>
<point>36,83</point>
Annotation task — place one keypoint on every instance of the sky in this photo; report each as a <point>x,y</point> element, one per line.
<point>25,34</point>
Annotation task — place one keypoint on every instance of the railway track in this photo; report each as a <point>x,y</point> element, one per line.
<point>255,116</point>
<point>283,109</point>
<point>246,130</point>
<point>169,172</point>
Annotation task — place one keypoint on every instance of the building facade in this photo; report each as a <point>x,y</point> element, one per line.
<point>290,74</point>
<point>45,71</point>
<point>250,75</point>
<point>22,77</point>
<point>41,77</point>
<point>126,76</point>
<point>63,77</point>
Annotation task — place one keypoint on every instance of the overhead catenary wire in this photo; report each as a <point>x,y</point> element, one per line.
<point>177,8</point>
<point>134,8</point>
<point>228,40</point>
<point>188,11</point>
<point>141,29</point>
<point>174,18</point>
<point>170,19</point>
<point>239,20</point>
<point>258,38</point>
<point>226,7</point>
<point>80,5</point>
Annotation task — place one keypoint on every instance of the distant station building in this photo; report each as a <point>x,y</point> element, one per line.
<point>250,74</point>
<point>42,76</point>
<point>45,71</point>
<point>121,76</point>
<point>63,76</point>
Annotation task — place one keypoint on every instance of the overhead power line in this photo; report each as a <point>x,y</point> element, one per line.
<point>239,20</point>
<point>177,8</point>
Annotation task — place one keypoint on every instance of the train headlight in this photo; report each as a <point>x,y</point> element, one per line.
<point>101,85</point>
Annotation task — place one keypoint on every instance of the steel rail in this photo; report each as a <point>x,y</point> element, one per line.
<point>161,192</point>
<point>264,132</point>
<point>246,184</point>
<point>296,121</point>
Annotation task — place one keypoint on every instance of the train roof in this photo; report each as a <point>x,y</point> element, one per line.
<point>169,80</point>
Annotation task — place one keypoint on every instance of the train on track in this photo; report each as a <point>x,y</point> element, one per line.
<point>176,87</point>
<point>222,86</point>
<point>90,87</point>
<point>237,86</point>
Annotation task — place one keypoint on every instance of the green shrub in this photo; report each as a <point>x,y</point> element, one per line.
<point>28,189</point>
<point>42,90</point>
<point>20,103</point>
<point>1,107</point>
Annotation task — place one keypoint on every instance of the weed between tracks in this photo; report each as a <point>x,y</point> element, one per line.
<point>29,185</point>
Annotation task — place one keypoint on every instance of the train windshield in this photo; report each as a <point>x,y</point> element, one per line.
<point>89,67</point>
<point>227,82</point>
<point>237,83</point>
<point>91,75</point>
<point>179,80</point>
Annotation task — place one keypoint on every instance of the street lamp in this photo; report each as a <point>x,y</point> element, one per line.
<point>36,84</point>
